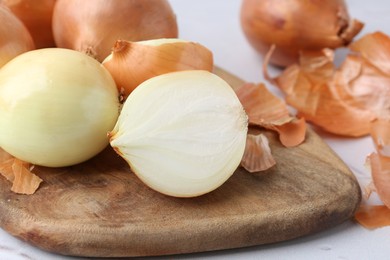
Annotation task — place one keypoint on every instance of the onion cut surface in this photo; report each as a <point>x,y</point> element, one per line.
<point>182,133</point>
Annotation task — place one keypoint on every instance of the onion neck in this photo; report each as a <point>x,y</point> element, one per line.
<point>348,32</point>
<point>121,48</point>
<point>348,28</point>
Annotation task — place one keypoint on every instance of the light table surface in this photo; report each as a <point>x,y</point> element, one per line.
<point>215,24</point>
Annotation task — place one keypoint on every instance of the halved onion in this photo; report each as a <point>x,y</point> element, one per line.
<point>182,133</point>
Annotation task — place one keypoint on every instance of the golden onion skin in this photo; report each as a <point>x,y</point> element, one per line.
<point>296,25</point>
<point>94,26</point>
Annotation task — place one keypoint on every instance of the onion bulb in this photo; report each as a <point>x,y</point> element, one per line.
<point>57,106</point>
<point>296,25</point>
<point>14,36</point>
<point>131,63</point>
<point>182,133</point>
<point>37,17</point>
<point>94,26</point>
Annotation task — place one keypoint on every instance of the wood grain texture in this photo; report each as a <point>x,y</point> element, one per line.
<point>99,208</point>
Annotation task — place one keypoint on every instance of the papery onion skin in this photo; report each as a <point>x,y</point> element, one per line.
<point>14,36</point>
<point>341,100</point>
<point>373,216</point>
<point>94,26</point>
<point>131,63</point>
<point>57,107</point>
<point>296,25</point>
<point>37,17</point>
<point>182,133</point>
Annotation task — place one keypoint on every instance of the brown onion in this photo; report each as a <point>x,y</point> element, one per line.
<point>296,25</point>
<point>36,16</point>
<point>131,63</point>
<point>94,26</point>
<point>14,36</point>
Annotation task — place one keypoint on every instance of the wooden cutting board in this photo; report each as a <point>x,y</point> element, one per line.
<point>100,208</point>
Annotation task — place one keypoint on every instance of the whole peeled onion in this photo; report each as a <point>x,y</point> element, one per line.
<point>57,106</point>
<point>296,25</point>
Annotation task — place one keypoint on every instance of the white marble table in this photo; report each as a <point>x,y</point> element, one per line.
<point>215,24</point>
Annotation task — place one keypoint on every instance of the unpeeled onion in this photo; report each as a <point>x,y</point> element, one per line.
<point>182,133</point>
<point>94,26</point>
<point>36,16</point>
<point>296,25</point>
<point>57,106</point>
<point>131,63</point>
<point>14,36</point>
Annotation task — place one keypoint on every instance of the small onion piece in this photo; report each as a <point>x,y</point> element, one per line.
<point>296,25</point>
<point>57,107</point>
<point>37,17</point>
<point>182,133</point>
<point>131,63</point>
<point>14,36</point>
<point>94,26</point>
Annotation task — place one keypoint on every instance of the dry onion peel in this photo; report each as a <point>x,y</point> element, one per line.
<point>381,135</point>
<point>182,133</point>
<point>19,174</point>
<point>257,156</point>
<point>379,162</point>
<point>131,63</point>
<point>373,216</point>
<point>375,48</point>
<point>14,36</point>
<point>369,188</point>
<point>94,26</point>
<point>340,100</point>
<point>37,17</point>
<point>291,133</point>
<point>266,110</point>
<point>377,216</point>
<point>297,25</point>
<point>380,172</point>
<point>379,166</point>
